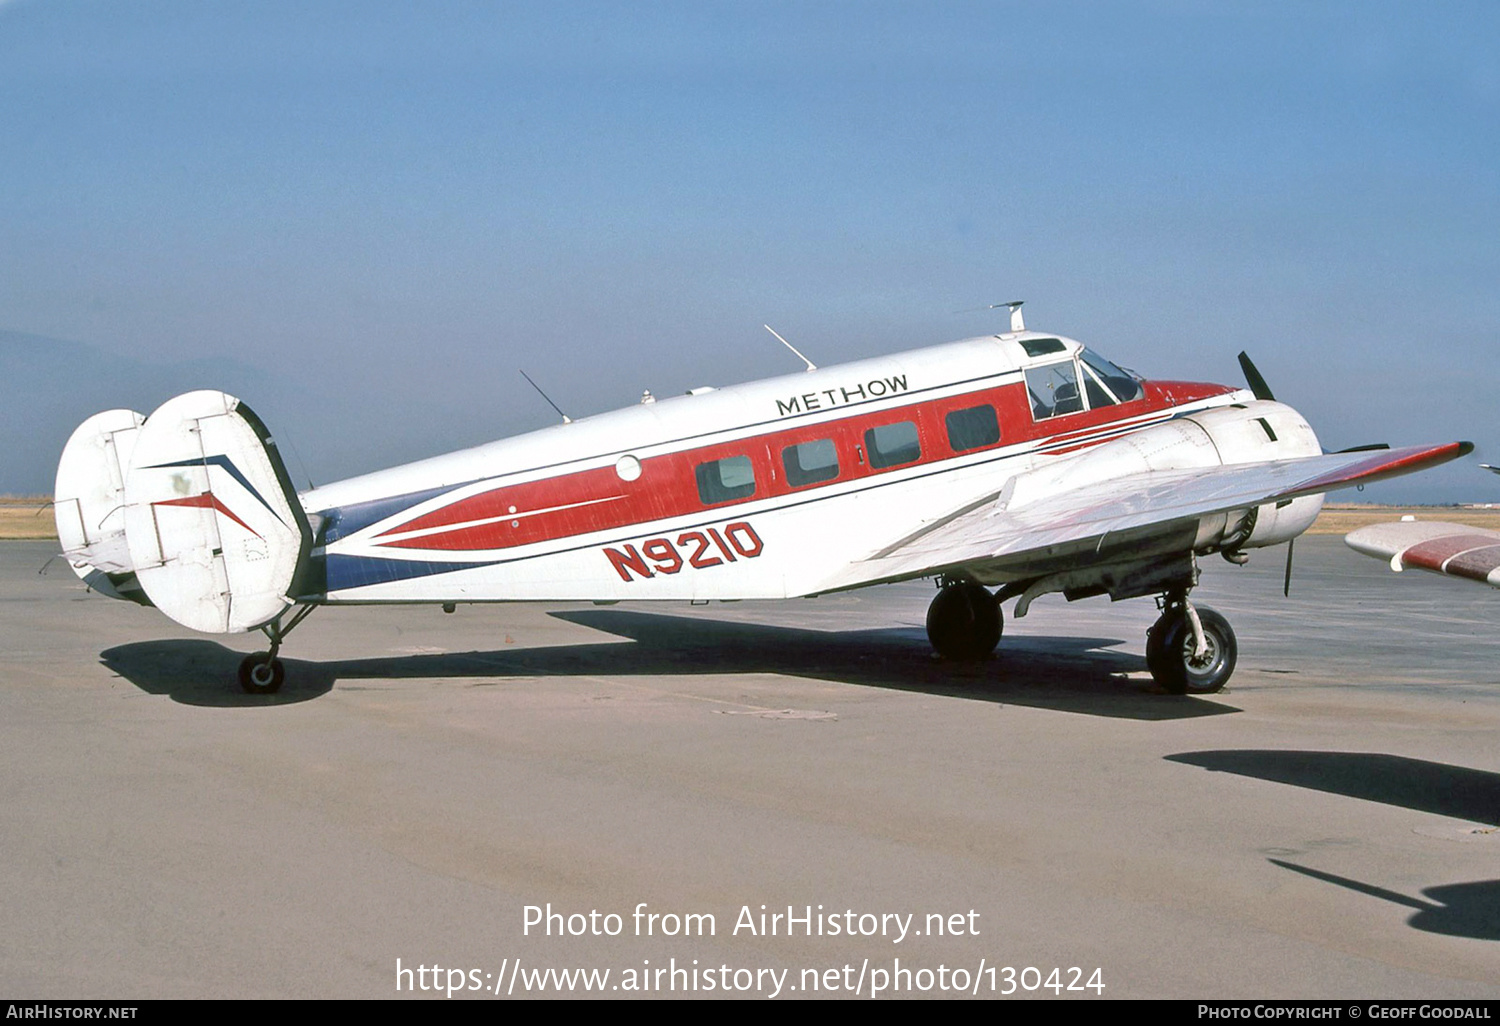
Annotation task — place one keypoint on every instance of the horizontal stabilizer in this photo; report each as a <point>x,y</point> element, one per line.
<point>215,531</point>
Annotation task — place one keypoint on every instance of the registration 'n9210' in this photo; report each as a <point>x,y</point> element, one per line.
<point>697,549</point>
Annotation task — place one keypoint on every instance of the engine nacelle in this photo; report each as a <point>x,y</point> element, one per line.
<point>1250,432</point>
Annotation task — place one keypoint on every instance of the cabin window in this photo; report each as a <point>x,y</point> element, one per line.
<point>725,480</point>
<point>1043,346</point>
<point>1120,383</point>
<point>1053,390</point>
<point>893,444</point>
<point>973,428</point>
<point>810,462</point>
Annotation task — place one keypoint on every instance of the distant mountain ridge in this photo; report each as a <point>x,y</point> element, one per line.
<point>327,429</point>
<point>48,386</point>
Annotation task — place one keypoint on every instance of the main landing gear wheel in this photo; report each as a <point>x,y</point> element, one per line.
<point>261,674</point>
<point>964,622</point>
<point>1169,652</point>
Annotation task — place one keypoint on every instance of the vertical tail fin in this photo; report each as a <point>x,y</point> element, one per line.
<point>215,532</point>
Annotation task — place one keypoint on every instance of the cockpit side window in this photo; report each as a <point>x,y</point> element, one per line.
<point>1053,390</point>
<point>1123,385</point>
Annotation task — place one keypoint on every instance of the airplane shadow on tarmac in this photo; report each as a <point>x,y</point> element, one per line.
<point>1067,674</point>
<point>1456,910</point>
<point>1434,787</point>
<point>1459,910</point>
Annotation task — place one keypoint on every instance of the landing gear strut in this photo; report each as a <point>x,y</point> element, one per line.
<point>964,621</point>
<point>1190,650</point>
<point>261,673</point>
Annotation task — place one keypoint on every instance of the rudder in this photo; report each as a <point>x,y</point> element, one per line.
<point>215,531</point>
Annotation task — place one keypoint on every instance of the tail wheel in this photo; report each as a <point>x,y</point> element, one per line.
<point>1169,653</point>
<point>261,674</point>
<point>964,622</point>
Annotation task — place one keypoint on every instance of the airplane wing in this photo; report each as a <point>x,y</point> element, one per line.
<point>1007,531</point>
<point>1454,549</point>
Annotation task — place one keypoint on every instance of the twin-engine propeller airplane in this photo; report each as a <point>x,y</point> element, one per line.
<point>1020,461</point>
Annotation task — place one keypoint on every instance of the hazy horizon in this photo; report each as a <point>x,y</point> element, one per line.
<point>378,214</point>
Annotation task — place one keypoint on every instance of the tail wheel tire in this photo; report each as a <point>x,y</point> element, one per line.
<point>1169,653</point>
<point>964,622</point>
<point>261,675</point>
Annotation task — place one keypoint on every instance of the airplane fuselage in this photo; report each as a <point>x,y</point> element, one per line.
<point>760,490</point>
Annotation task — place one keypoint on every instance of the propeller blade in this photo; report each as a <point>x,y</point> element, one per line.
<point>1253,379</point>
<point>1286,583</point>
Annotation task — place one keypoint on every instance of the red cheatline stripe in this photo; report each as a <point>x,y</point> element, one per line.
<point>583,501</point>
<point>209,501</point>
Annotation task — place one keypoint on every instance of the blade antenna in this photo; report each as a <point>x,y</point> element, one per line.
<point>810,365</point>
<point>566,419</point>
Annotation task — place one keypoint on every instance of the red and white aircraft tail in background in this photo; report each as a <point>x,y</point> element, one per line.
<point>1021,462</point>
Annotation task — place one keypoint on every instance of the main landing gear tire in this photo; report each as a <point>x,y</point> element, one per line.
<point>964,622</point>
<point>1169,653</point>
<point>260,674</point>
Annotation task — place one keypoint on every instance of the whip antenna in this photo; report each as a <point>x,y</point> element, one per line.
<point>810,365</point>
<point>566,419</point>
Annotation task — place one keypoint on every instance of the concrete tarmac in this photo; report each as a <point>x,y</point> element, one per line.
<point>1326,827</point>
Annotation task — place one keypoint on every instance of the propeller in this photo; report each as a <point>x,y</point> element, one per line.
<point>1253,379</point>
<point>1263,391</point>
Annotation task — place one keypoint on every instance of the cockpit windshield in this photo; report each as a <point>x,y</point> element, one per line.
<point>1107,383</point>
<point>1063,387</point>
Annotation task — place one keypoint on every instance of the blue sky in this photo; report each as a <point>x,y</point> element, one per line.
<point>393,206</point>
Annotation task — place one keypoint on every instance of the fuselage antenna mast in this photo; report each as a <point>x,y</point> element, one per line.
<point>566,419</point>
<point>810,365</point>
<point>1017,324</point>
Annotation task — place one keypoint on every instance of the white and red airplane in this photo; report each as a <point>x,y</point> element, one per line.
<point>1019,461</point>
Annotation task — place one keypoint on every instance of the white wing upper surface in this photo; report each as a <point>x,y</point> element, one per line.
<point>1006,528</point>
